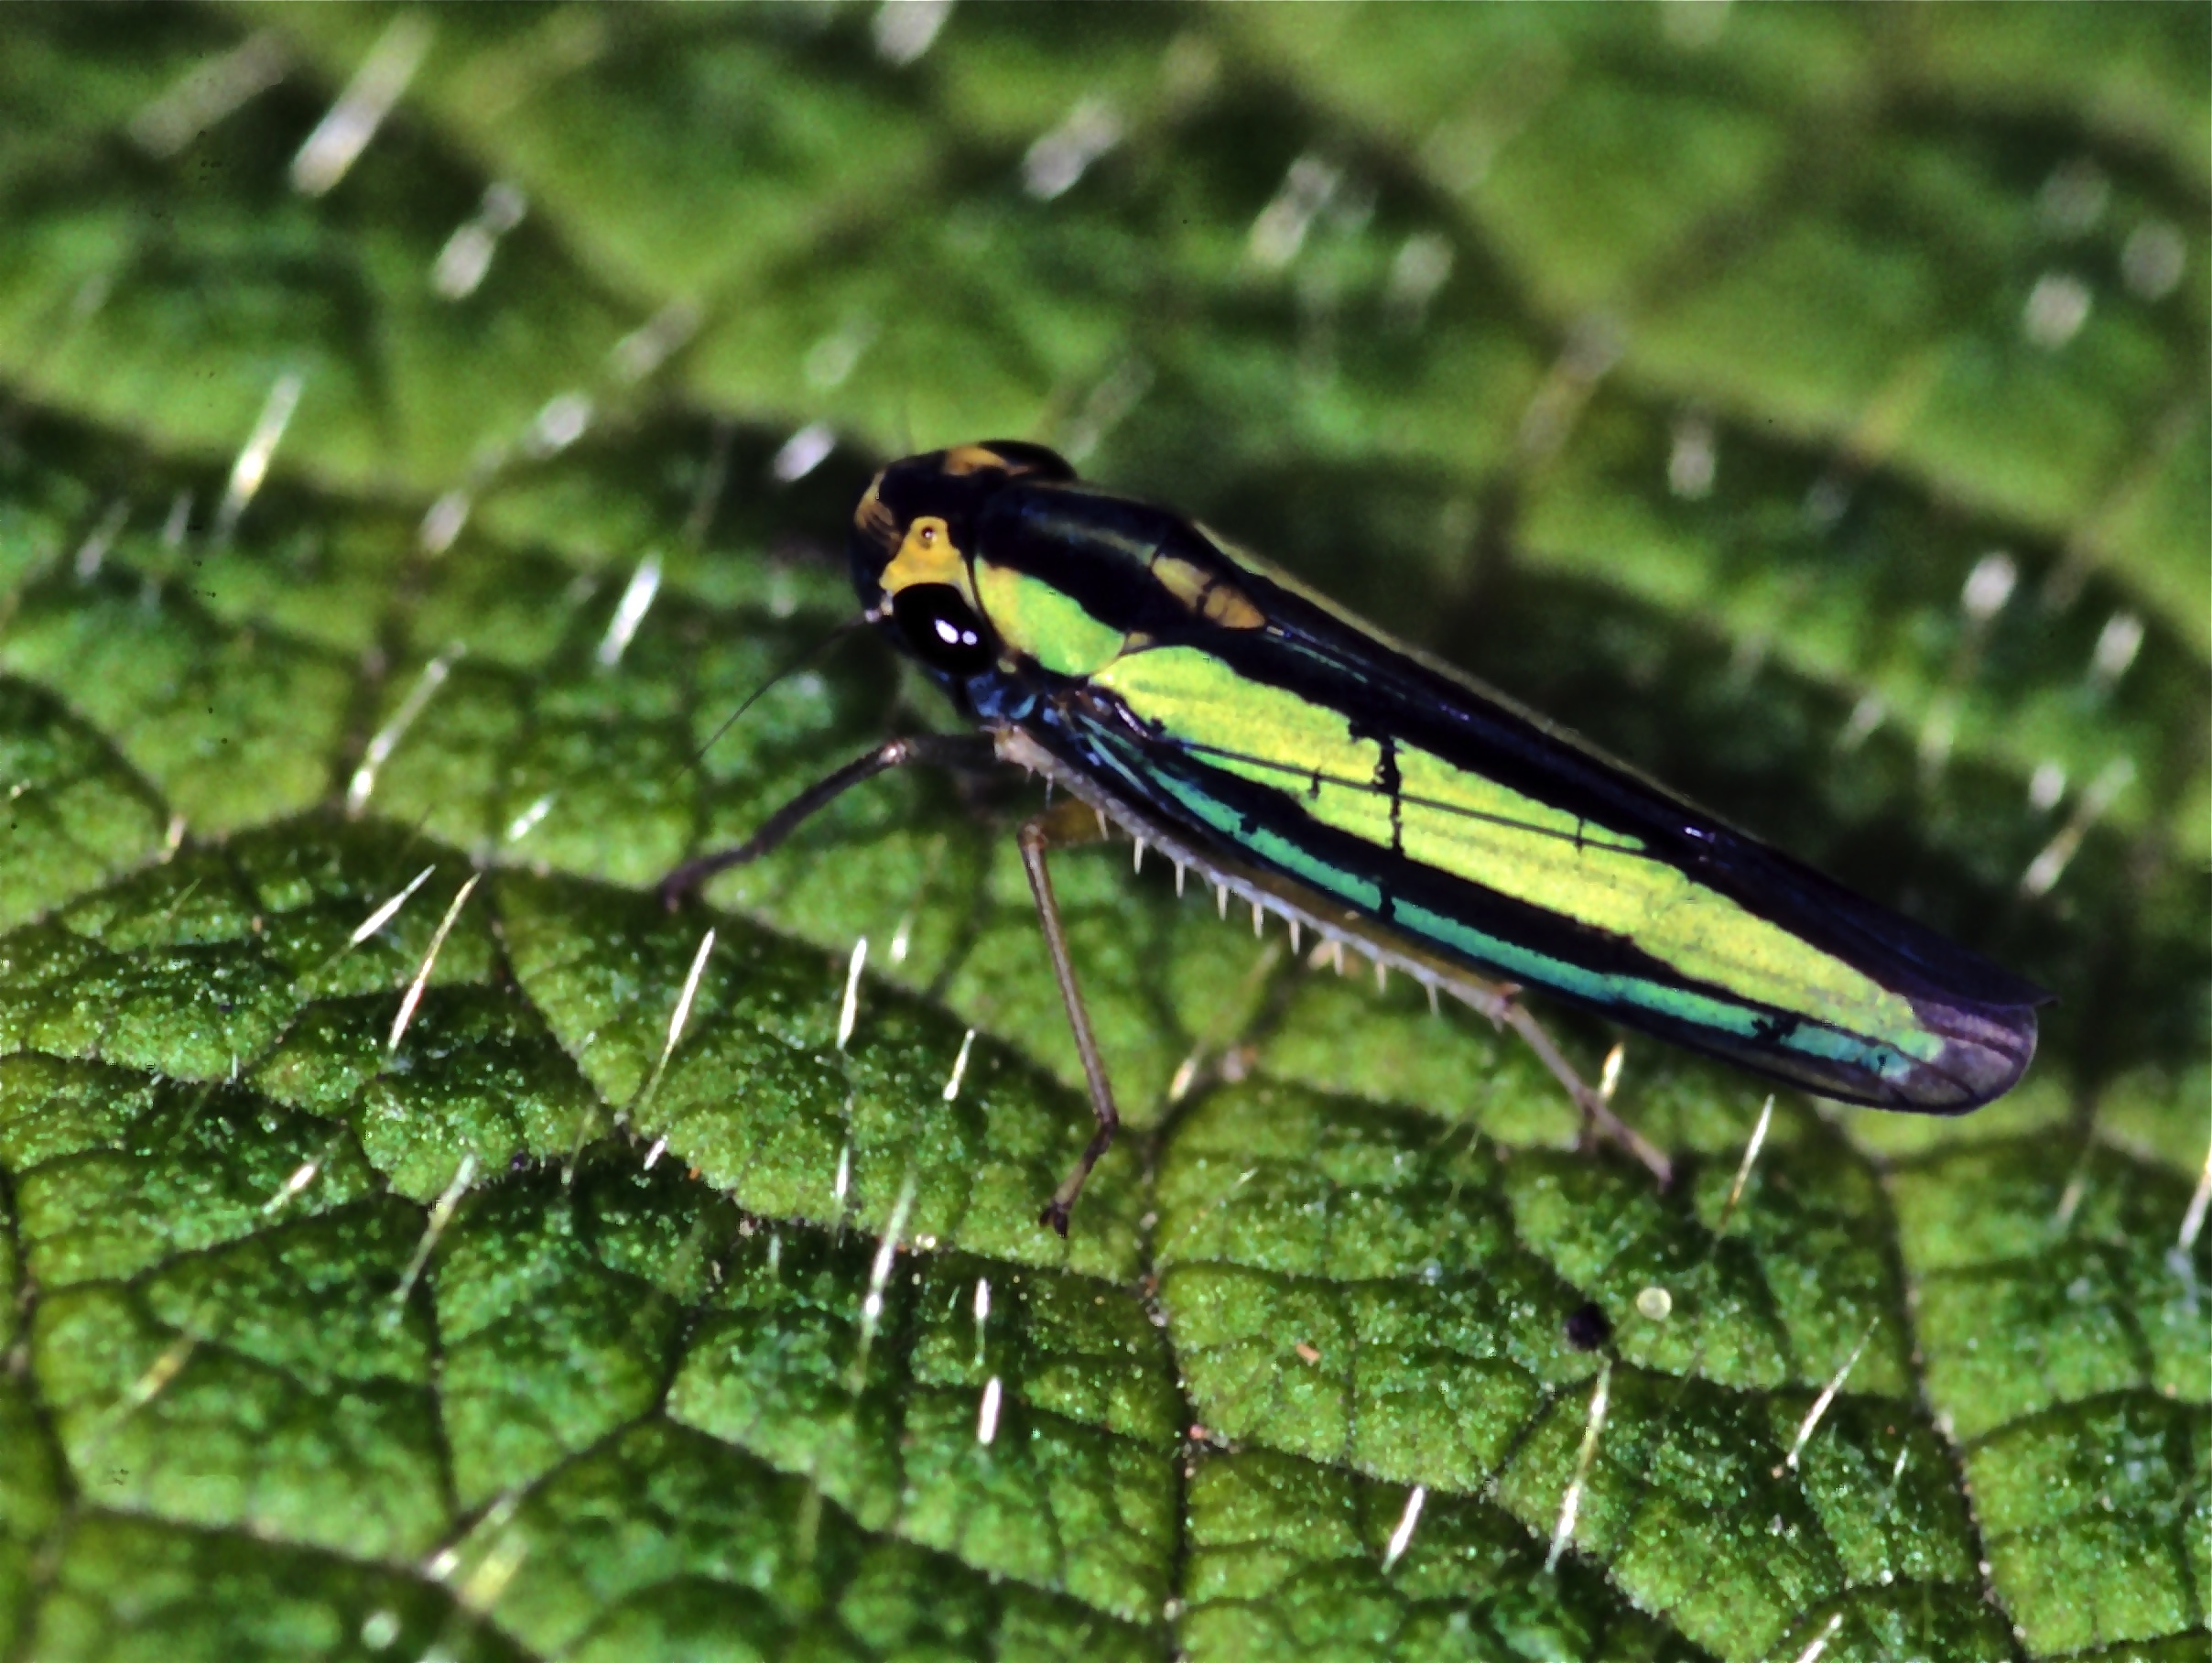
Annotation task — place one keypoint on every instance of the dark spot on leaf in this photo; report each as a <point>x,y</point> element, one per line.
<point>1588,1327</point>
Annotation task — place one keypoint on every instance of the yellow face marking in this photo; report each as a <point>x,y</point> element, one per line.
<point>1209,597</point>
<point>928,556</point>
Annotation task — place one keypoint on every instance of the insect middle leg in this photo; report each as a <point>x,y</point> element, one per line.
<point>1070,822</point>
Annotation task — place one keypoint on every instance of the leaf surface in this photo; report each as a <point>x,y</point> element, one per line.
<point>422,431</point>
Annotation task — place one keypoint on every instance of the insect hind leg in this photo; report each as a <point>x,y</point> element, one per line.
<point>1071,822</point>
<point>1597,1116</point>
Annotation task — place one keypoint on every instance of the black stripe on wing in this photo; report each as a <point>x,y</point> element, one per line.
<point>1377,687</point>
<point>1096,548</point>
<point>1985,1050</point>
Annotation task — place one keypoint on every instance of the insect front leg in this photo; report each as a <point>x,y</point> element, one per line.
<point>930,750</point>
<point>1070,822</point>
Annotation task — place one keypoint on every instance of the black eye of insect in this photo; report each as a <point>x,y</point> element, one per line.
<point>942,630</point>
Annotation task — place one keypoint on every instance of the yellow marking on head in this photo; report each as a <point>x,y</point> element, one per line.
<point>1211,597</point>
<point>928,556</point>
<point>873,520</point>
<point>962,460</point>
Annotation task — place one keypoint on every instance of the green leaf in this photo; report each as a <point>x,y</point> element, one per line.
<point>422,429</point>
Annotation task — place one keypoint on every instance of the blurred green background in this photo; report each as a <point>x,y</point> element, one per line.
<point>419,427</point>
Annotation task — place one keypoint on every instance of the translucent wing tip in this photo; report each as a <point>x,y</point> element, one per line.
<point>1986,1050</point>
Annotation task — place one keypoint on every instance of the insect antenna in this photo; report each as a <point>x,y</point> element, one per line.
<point>797,663</point>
